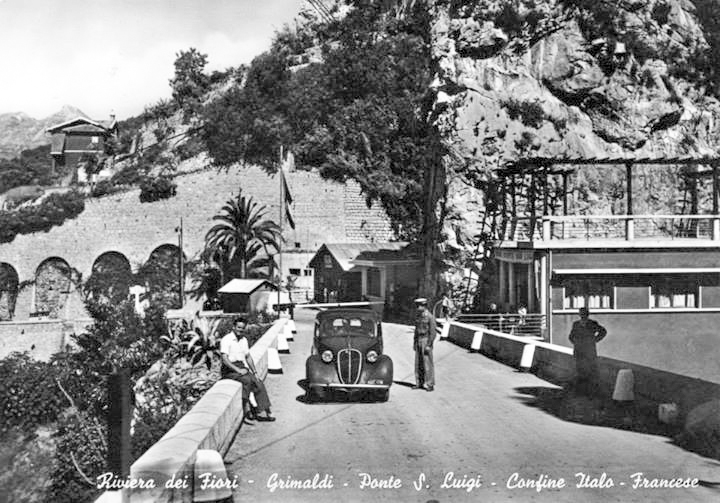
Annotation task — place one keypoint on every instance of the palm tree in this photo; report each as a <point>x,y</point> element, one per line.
<point>243,241</point>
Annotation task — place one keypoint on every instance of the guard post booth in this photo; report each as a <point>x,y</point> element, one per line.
<point>652,280</point>
<point>246,295</point>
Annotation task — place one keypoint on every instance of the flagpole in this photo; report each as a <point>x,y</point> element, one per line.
<point>282,199</point>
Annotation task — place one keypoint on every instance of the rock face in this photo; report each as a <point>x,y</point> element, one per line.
<point>561,78</point>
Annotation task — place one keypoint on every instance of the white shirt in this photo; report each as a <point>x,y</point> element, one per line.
<point>236,350</point>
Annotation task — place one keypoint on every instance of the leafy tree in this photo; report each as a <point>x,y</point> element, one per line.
<point>190,83</point>
<point>362,113</point>
<point>243,239</point>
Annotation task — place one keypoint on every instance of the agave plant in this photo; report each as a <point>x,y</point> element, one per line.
<point>177,346</point>
<point>202,346</point>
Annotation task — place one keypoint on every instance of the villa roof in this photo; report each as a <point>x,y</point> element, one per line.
<point>83,122</point>
<point>345,253</point>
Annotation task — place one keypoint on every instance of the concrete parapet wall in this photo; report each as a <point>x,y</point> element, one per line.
<point>40,338</point>
<point>211,424</point>
<point>556,364</point>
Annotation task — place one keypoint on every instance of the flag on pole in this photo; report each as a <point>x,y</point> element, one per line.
<point>289,164</point>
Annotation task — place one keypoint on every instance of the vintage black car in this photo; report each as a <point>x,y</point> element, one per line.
<point>347,357</point>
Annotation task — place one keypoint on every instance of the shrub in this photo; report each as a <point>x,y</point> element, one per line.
<point>29,395</point>
<point>530,113</point>
<point>52,211</point>
<point>79,458</point>
<point>102,188</point>
<point>155,189</point>
<point>163,395</point>
<point>129,175</point>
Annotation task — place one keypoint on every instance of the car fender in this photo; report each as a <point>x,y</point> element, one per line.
<point>319,372</point>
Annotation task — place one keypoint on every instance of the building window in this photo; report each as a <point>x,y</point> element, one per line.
<point>373,281</point>
<point>308,272</point>
<point>297,245</point>
<point>668,293</point>
<point>95,140</point>
<point>296,272</point>
<point>328,261</point>
<point>590,293</point>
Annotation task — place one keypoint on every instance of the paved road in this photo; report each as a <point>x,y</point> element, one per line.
<point>484,424</point>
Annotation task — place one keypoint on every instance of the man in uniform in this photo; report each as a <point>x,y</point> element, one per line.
<point>585,335</point>
<point>423,345</point>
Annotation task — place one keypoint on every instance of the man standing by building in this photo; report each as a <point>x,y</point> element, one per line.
<point>237,364</point>
<point>423,345</point>
<point>585,335</point>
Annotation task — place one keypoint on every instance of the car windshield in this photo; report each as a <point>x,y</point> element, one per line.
<point>347,326</point>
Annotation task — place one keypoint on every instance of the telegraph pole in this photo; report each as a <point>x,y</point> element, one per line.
<point>282,201</point>
<point>182,264</point>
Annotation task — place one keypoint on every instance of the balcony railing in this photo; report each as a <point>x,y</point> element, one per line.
<point>620,227</point>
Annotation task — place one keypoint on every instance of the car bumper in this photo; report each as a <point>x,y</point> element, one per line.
<point>349,386</point>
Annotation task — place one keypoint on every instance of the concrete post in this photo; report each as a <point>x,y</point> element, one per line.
<point>546,228</point>
<point>512,291</point>
<point>502,279</point>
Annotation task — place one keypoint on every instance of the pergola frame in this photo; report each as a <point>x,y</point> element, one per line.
<point>544,167</point>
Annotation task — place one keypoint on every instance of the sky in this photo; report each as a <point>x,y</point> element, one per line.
<point>105,56</point>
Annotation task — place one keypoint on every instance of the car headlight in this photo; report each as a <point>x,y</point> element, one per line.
<point>372,356</point>
<point>327,356</point>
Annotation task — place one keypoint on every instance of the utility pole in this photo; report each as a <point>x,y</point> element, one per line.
<point>282,202</point>
<point>182,264</point>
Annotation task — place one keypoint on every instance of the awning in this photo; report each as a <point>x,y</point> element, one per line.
<point>635,262</point>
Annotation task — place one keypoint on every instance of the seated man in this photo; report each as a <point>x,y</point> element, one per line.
<point>237,364</point>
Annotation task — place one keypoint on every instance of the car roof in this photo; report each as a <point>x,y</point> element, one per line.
<point>346,312</point>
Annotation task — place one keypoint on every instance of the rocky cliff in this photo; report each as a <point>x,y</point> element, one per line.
<point>568,78</point>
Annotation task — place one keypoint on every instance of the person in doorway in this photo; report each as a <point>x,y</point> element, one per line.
<point>425,331</point>
<point>238,365</point>
<point>584,336</point>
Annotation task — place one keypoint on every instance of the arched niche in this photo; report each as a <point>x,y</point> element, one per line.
<point>110,278</point>
<point>9,284</point>
<point>161,275</point>
<point>53,281</point>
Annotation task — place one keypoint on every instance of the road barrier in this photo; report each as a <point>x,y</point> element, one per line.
<point>556,364</point>
<point>211,424</point>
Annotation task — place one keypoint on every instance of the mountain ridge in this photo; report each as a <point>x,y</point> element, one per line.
<point>19,131</point>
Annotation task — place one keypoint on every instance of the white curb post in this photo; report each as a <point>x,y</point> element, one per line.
<point>526,360</point>
<point>291,330</point>
<point>445,332</point>
<point>477,341</point>
<point>209,465</point>
<point>274,366</point>
<point>624,386</point>
<point>282,345</point>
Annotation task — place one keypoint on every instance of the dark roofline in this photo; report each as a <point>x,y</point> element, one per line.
<point>542,164</point>
<point>106,125</point>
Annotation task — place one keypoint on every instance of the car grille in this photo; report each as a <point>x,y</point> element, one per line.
<point>349,365</point>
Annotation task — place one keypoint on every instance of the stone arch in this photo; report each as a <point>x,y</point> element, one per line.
<point>9,284</point>
<point>161,275</point>
<point>53,282</point>
<point>110,277</point>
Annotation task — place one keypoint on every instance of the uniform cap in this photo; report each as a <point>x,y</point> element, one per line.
<point>421,301</point>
